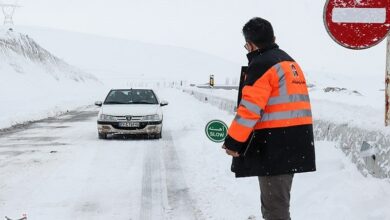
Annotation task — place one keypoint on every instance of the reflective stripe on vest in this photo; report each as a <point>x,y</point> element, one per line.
<point>282,80</point>
<point>246,122</point>
<point>252,107</point>
<point>288,99</point>
<point>286,115</point>
<point>283,94</point>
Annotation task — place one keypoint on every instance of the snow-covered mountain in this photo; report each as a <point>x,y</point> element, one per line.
<point>18,51</point>
<point>35,83</point>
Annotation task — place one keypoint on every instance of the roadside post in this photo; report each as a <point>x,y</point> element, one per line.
<point>211,82</point>
<point>358,25</point>
<point>387,89</point>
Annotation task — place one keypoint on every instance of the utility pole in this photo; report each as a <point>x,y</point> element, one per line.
<point>9,11</point>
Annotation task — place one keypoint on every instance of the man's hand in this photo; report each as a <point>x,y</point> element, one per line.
<point>230,152</point>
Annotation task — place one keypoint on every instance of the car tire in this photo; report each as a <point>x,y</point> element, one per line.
<point>159,135</point>
<point>102,136</point>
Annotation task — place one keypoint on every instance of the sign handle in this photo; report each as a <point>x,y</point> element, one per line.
<point>387,80</point>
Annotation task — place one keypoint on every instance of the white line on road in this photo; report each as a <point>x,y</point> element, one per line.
<point>359,15</point>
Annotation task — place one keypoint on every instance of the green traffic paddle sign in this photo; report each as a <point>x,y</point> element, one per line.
<point>216,131</point>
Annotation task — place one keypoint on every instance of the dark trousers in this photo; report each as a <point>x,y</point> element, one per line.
<point>275,196</point>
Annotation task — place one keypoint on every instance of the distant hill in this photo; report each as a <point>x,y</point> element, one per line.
<point>118,58</point>
<point>34,83</point>
<point>19,53</point>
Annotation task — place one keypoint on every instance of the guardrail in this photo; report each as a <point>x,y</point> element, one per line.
<point>218,87</point>
<point>369,150</point>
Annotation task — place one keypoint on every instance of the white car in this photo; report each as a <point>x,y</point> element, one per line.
<point>130,112</point>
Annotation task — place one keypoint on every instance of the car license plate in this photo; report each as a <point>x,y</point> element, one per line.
<point>129,124</point>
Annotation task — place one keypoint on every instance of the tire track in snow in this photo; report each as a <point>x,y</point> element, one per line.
<point>152,199</point>
<point>179,199</point>
<point>146,199</point>
<point>165,194</point>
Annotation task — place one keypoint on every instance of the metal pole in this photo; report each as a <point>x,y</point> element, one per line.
<point>387,101</point>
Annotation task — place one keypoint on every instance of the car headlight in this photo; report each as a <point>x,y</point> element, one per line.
<point>155,117</point>
<point>104,117</point>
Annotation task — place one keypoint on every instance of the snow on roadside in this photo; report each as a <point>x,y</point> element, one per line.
<point>336,191</point>
<point>36,96</point>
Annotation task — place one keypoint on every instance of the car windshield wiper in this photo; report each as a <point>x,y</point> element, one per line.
<point>115,102</point>
<point>142,102</point>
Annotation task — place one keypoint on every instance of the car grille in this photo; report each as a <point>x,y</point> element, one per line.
<point>126,118</point>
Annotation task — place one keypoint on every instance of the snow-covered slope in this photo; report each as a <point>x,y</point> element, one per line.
<point>17,50</point>
<point>111,58</point>
<point>35,83</point>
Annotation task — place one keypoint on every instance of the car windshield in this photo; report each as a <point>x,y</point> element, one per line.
<point>133,96</point>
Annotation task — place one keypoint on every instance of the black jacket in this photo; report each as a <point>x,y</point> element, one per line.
<point>272,151</point>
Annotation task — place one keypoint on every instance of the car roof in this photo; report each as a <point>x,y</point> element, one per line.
<point>131,89</point>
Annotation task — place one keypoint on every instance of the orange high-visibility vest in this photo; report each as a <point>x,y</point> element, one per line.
<point>279,98</point>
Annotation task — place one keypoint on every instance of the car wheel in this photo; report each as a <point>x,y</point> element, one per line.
<point>102,136</point>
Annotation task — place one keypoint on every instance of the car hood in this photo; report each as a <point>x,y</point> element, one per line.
<point>135,109</point>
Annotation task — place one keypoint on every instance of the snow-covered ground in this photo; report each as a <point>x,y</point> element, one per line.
<point>58,169</point>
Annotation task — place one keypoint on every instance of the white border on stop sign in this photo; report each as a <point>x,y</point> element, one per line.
<point>359,15</point>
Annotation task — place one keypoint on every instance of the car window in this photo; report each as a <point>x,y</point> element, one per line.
<point>131,97</point>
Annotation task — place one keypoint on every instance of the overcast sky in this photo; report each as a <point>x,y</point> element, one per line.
<point>213,26</point>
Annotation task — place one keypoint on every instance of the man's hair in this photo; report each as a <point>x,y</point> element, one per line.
<point>258,31</point>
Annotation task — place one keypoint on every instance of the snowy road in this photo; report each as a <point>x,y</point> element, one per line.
<point>58,169</point>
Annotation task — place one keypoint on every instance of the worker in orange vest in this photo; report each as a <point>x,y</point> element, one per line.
<point>271,136</point>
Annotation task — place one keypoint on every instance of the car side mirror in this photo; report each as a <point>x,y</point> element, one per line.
<point>99,103</point>
<point>163,103</point>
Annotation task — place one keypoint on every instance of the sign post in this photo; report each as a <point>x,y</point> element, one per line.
<point>211,82</point>
<point>360,24</point>
<point>387,112</point>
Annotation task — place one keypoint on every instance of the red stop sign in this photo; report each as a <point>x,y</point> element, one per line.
<point>357,24</point>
